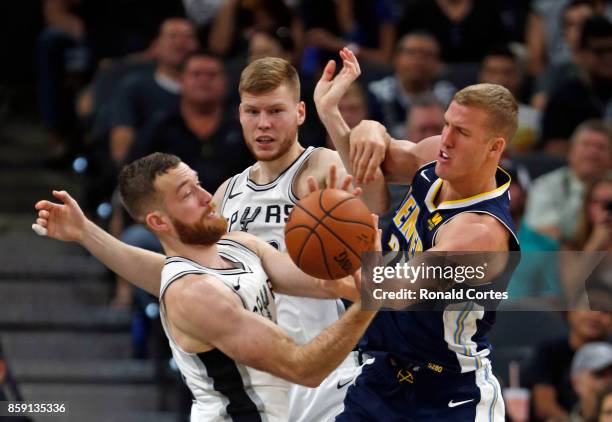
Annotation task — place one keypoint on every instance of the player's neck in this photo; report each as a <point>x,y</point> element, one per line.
<point>464,188</point>
<point>268,171</point>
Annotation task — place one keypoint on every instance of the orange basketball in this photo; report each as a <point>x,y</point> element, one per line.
<point>327,232</point>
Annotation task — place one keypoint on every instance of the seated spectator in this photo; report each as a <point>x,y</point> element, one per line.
<point>595,225</point>
<point>270,44</point>
<point>501,66</point>
<point>62,49</point>
<point>365,26</point>
<point>205,135</point>
<point>458,25</point>
<point>555,198</point>
<point>238,19</point>
<point>583,97</point>
<point>200,130</point>
<point>416,66</point>
<point>604,406</point>
<point>573,16</point>
<point>425,118</point>
<point>552,391</point>
<point>142,96</point>
<point>591,375</point>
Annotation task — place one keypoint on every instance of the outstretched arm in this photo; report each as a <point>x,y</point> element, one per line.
<point>66,221</point>
<point>328,93</point>
<point>194,307</point>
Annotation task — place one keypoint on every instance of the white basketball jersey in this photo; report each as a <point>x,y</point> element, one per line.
<point>262,210</point>
<point>224,389</point>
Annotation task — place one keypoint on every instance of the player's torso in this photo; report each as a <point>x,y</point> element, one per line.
<point>453,337</point>
<point>262,210</point>
<point>222,387</point>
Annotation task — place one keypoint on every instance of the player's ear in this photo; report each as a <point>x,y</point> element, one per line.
<point>301,110</point>
<point>156,221</point>
<point>498,144</point>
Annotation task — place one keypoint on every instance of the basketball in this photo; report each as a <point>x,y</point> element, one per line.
<point>327,232</point>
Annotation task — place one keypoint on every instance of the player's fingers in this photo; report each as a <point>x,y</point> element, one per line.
<point>332,177</point>
<point>357,174</point>
<point>362,165</point>
<point>357,191</point>
<point>42,222</point>
<point>44,205</point>
<point>375,220</point>
<point>312,184</point>
<point>346,183</point>
<point>372,166</point>
<point>328,71</point>
<point>43,214</point>
<point>39,230</point>
<point>65,197</point>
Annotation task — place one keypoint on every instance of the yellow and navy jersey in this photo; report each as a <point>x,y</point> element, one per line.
<point>452,337</point>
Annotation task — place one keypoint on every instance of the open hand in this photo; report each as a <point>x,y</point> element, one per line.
<point>63,221</point>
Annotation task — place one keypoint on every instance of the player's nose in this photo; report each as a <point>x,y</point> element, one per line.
<point>264,120</point>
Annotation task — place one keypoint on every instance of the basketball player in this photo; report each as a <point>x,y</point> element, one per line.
<point>259,199</point>
<point>432,365</point>
<point>216,305</point>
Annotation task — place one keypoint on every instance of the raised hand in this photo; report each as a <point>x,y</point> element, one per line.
<point>330,89</point>
<point>62,221</point>
<point>331,180</point>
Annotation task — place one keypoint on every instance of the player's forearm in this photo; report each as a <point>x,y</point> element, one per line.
<point>315,360</point>
<point>138,266</point>
<point>338,131</point>
<point>375,194</point>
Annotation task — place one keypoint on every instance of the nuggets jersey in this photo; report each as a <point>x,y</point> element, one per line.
<point>224,389</point>
<point>262,210</point>
<point>454,338</point>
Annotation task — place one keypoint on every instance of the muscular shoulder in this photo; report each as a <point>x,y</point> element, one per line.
<point>248,240</point>
<point>317,166</point>
<point>473,232</point>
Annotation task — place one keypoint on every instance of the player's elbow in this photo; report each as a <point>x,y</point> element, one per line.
<point>309,378</point>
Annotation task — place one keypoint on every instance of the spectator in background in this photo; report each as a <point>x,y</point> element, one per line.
<point>425,118</point>
<point>416,66</point>
<point>555,198</point>
<point>270,44</point>
<point>61,50</point>
<point>574,15</point>
<point>501,66</point>
<point>202,132</point>
<point>141,96</point>
<point>591,375</point>
<point>237,20</point>
<point>545,33</point>
<point>458,25</point>
<point>604,406</point>
<point>588,95</point>
<point>552,391</point>
<point>365,26</point>
<point>595,225</point>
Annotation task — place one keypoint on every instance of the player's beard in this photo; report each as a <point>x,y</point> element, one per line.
<point>205,232</point>
<point>283,146</point>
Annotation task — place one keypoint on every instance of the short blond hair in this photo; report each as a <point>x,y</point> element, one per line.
<point>497,101</point>
<point>266,74</point>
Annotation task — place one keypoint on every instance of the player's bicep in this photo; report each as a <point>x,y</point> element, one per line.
<point>210,313</point>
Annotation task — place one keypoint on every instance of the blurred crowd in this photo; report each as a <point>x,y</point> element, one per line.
<point>116,83</point>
